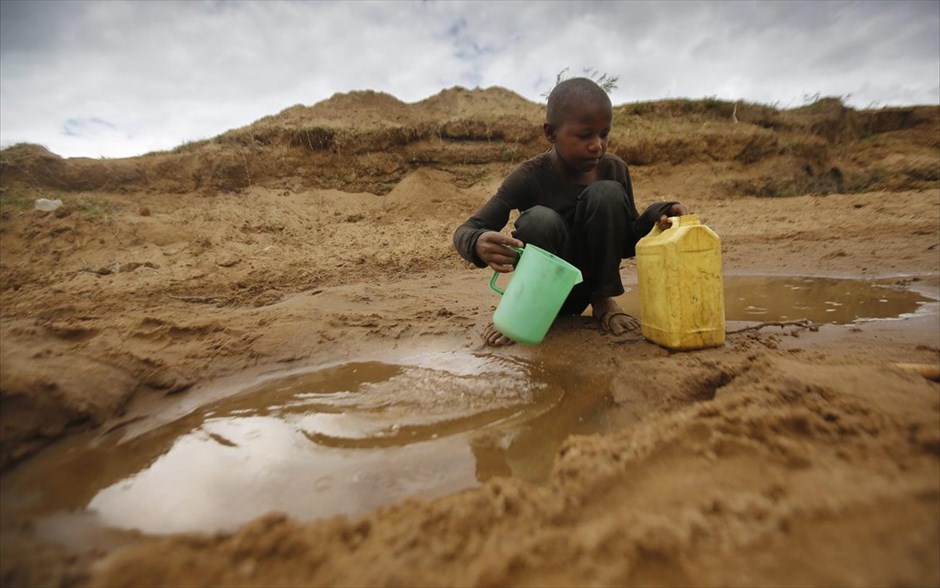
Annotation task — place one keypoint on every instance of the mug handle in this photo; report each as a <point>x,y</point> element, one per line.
<point>496,274</point>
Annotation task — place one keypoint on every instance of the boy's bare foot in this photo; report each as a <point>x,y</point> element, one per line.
<point>494,338</point>
<point>612,318</point>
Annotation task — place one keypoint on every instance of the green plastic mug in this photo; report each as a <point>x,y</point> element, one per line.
<point>539,286</point>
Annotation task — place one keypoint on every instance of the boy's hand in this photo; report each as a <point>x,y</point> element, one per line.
<point>676,209</point>
<point>493,248</point>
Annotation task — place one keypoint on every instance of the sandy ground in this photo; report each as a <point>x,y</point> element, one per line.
<point>787,457</point>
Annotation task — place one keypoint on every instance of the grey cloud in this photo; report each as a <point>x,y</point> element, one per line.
<point>163,73</point>
<point>27,26</point>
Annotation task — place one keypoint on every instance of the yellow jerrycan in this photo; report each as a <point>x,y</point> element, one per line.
<point>682,302</point>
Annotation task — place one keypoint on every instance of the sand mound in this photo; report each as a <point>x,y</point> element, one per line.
<point>425,190</point>
<point>368,141</point>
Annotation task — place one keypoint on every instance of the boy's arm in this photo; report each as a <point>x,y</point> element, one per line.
<point>644,222</point>
<point>492,217</point>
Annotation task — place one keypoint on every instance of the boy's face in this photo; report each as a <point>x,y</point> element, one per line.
<point>581,139</point>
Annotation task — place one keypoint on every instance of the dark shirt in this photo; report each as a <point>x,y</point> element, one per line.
<point>535,182</point>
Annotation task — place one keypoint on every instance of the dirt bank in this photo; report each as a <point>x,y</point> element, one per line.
<point>788,457</point>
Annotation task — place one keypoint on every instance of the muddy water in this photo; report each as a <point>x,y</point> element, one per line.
<point>821,300</point>
<point>344,439</point>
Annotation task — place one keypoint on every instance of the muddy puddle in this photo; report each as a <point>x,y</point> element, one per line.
<point>348,438</point>
<point>820,300</point>
<point>340,440</point>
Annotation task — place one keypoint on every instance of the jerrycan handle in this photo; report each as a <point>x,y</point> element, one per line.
<point>496,274</point>
<point>677,221</point>
<point>673,223</point>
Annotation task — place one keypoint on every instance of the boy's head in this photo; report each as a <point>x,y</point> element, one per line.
<point>575,98</point>
<point>577,124</point>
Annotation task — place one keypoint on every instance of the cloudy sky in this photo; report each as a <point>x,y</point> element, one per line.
<point>114,79</point>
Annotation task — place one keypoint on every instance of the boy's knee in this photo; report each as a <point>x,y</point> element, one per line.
<point>539,218</point>
<point>542,227</point>
<point>605,193</point>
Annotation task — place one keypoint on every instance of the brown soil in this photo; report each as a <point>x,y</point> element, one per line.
<point>787,457</point>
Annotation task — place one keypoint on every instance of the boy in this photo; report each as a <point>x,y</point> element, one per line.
<point>576,201</point>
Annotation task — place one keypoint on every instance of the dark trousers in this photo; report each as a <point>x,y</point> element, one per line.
<point>593,239</point>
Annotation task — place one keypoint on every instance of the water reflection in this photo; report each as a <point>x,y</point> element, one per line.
<point>341,440</point>
<point>821,300</point>
<point>201,484</point>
